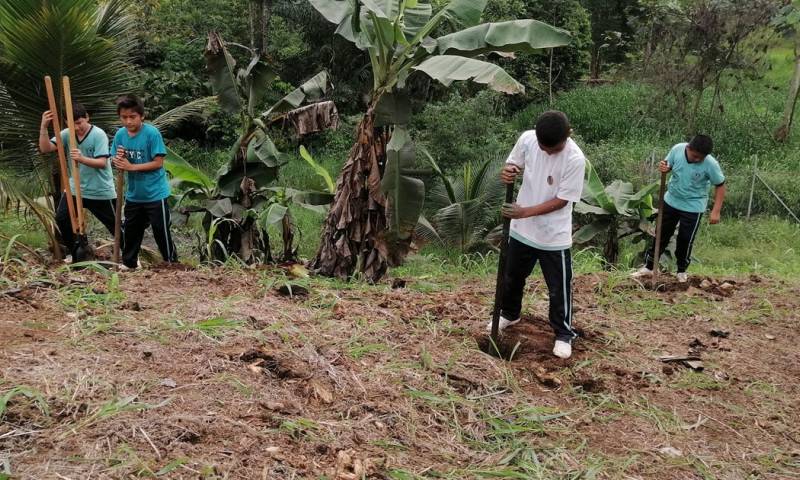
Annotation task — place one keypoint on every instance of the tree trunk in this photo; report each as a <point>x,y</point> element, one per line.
<point>785,127</point>
<point>354,233</point>
<point>594,68</point>
<point>695,109</point>
<point>260,13</point>
<point>288,238</point>
<point>611,249</point>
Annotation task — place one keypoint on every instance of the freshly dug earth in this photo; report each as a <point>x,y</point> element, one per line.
<point>206,373</point>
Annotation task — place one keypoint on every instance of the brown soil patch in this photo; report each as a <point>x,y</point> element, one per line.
<point>214,374</point>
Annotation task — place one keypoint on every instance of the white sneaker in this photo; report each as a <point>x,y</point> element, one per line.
<point>642,272</point>
<point>683,277</point>
<point>562,349</point>
<point>504,323</point>
<point>68,259</point>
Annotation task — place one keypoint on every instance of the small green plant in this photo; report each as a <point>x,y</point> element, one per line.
<point>30,393</point>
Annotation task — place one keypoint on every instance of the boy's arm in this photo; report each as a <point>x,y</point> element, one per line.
<point>719,198</point>
<point>717,178</point>
<point>157,149</point>
<point>570,190</point>
<point>45,145</point>
<point>514,211</point>
<point>122,163</point>
<point>97,162</point>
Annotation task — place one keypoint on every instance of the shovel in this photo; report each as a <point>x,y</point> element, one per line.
<point>659,221</point>
<point>492,345</point>
<point>118,214</point>
<point>81,251</point>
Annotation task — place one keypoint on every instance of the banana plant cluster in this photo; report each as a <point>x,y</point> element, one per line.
<point>378,200</point>
<point>618,211</point>
<point>242,200</point>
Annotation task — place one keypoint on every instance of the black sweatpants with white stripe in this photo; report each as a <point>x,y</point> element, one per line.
<point>139,216</point>
<point>688,224</point>
<point>557,271</point>
<point>103,210</point>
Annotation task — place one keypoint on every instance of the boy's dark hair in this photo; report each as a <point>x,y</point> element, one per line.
<point>702,144</point>
<point>130,101</point>
<point>79,111</point>
<point>552,128</point>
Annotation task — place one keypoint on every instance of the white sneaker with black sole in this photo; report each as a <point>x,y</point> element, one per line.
<point>683,277</point>
<point>562,349</point>
<point>504,323</point>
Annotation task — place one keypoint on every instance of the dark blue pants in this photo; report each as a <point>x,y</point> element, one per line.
<point>688,224</point>
<point>139,216</point>
<point>557,271</point>
<point>103,210</point>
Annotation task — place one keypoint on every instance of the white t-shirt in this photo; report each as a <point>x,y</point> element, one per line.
<point>552,231</point>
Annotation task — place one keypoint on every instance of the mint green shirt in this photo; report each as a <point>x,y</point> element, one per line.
<point>96,183</point>
<point>690,182</point>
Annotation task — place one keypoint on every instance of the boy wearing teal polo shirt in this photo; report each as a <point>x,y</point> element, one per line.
<point>140,151</point>
<point>97,182</point>
<point>694,170</point>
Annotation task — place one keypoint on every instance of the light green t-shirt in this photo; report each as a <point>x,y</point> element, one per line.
<point>690,182</point>
<point>96,183</point>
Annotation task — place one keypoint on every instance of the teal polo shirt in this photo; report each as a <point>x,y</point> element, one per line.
<point>96,183</point>
<point>690,182</point>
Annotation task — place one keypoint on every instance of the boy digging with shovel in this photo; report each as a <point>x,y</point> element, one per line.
<point>694,170</point>
<point>552,167</point>
<point>97,183</point>
<point>139,150</point>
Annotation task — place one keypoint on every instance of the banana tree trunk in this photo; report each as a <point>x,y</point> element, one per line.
<point>353,234</point>
<point>785,127</point>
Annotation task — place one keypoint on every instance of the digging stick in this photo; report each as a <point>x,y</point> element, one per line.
<point>659,221</point>
<point>501,267</point>
<point>73,143</point>
<point>62,159</point>
<point>118,214</point>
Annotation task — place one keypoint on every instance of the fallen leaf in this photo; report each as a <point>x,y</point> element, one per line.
<point>168,382</point>
<point>671,452</point>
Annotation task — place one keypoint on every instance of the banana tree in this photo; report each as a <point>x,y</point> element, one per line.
<point>465,207</point>
<point>378,200</point>
<point>617,211</point>
<point>239,191</point>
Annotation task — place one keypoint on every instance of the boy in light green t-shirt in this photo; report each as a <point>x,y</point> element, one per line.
<point>97,181</point>
<point>694,171</point>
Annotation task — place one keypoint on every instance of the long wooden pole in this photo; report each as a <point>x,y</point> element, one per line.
<point>659,221</point>
<point>62,160</point>
<point>118,215</point>
<point>73,143</point>
<point>501,268</point>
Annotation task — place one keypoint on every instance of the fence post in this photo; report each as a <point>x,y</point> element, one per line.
<point>752,188</point>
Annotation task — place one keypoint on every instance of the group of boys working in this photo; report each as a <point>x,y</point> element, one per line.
<point>552,167</point>
<point>139,150</point>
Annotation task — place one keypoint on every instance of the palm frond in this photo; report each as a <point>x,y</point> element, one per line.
<point>78,38</point>
<point>193,109</point>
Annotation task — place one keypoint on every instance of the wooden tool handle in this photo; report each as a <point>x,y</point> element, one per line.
<point>118,214</point>
<point>62,159</point>
<point>659,221</point>
<point>501,267</point>
<point>73,143</point>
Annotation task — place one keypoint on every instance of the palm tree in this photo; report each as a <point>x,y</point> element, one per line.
<point>88,41</point>
<point>465,207</point>
<point>378,200</point>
